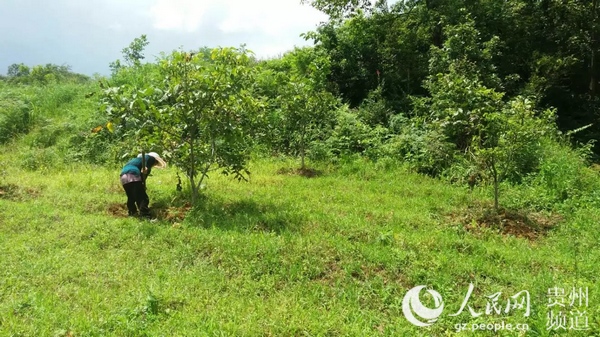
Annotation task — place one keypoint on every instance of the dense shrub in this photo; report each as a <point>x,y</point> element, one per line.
<point>564,180</point>
<point>48,134</point>
<point>52,99</point>
<point>15,116</point>
<point>374,110</point>
<point>426,151</point>
<point>564,173</point>
<point>353,135</point>
<point>49,74</point>
<point>97,148</point>
<point>40,159</point>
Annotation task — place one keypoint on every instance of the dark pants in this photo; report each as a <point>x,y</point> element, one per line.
<point>136,195</point>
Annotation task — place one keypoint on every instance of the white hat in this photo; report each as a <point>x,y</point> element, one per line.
<point>160,163</point>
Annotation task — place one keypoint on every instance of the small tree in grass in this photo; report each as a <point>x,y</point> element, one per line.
<point>503,138</point>
<point>201,114</point>
<point>306,111</point>
<point>508,145</point>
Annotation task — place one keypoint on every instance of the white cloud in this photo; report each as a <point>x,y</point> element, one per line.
<point>179,15</point>
<point>272,18</point>
<point>68,31</point>
<point>268,27</point>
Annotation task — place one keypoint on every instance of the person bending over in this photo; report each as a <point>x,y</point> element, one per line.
<point>133,180</point>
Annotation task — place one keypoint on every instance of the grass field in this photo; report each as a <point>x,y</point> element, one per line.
<point>281,255</point>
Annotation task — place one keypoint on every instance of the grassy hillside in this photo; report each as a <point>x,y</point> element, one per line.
<point>281,255</point>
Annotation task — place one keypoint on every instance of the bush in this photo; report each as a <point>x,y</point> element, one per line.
<point>564,180</point>
<point>426,151</point>
<point>15,116</point>
<point>40,159</point>
<point>564,172</point>
<point>464,171</point>
<point>49,134</point>
<point>350,136</point>
<point>374,110</point>
<point>52,98</point>
<point>96,148</point>
<point>523,138</point>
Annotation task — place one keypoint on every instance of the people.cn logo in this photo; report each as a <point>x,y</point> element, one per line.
<point>416,313</point>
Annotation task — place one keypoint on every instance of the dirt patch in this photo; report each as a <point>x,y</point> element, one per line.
<point>8,191</point>
<point>518,223</point>
<point>118,210</point>
<point>14,192</point>
<point>173,214</point>
<point>303,172</point>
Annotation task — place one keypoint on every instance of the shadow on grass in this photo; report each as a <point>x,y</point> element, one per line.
<point>244,215</point>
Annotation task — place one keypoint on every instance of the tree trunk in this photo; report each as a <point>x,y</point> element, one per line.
<point>437,38</point>
<point>593,62</point>
<point>193,187</point>
<point>302,150</point>
<point>495,174</point>
<point>192,172</point>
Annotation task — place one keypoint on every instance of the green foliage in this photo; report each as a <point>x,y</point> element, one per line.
<point>102,147</point>
<point>133,73</point>
<point>342,8</point>
<point>35,159</point>
<point>52,100</point>
<point>502,140</point>
<point>59,125</point>
<point>374,110</point>
<point>564,174</point>
<point>133,55</point>
<point>200,115</point>
<point>514,47</point>
<point>427,150</point>
<point>460,100</point>
<point>351,135</point>
<point>43,74</point>
<point>307,113</point>
<point>378,48</point>
<point>563,182</point>
<point>463,52</point>
<point>15,115</point>
<point>295,81</point>
<point>305,62</point>
<point>48,134</point>
<point>524,135</point>
<point>269,84</point>
<point>17,70</point>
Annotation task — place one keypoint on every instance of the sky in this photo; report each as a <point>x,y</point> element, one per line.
<point>89,34</point>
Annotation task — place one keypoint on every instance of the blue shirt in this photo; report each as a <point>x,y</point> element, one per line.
<point>134,166</point>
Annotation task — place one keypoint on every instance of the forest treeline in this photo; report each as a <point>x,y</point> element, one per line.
<point>543,49</point>
<point>473,91</point>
